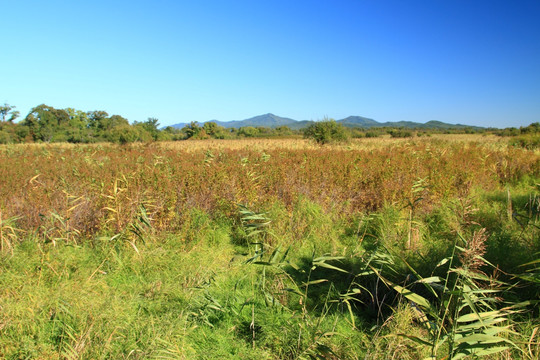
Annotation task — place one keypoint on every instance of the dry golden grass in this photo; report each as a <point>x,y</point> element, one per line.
<point>354,144</point>
<point>261,144</point>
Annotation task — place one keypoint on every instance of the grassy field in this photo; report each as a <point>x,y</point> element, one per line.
<point>270,249</point>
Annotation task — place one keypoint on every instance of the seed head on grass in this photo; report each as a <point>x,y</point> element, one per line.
<point>472,255</point>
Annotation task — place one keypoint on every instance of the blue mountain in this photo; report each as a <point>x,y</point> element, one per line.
<point>272,121</point>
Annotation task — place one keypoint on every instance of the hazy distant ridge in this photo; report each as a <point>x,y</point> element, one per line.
<point>272,121</point>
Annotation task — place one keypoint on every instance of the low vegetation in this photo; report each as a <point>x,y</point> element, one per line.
<point>408,248</point>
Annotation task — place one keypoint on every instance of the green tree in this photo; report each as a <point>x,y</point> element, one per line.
<point>192,130</point>
<point>114,121</point>
<point>326,131</point>
<point>6,110</point>
<point>248,131</point>
<point>47,123</point>
<point>97,121</point>
<point>214,130</point>
<point>78,119</point>
<point>171,133</point>
<point>124,134</point>
<point>100,124</point>
<point>151,126</point>
<point>531,129</point>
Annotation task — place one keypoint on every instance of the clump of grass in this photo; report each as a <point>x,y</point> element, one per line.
<point>9,234</point>
<point>465,316</point>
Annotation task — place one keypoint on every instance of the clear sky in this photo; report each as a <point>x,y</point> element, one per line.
<point>458,61</point>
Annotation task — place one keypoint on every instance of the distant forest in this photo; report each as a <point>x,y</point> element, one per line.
<point>45,124</point>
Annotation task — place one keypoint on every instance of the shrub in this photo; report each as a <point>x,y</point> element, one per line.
<point>372,134</point>
<point>124,134</point>
<point>326,131</point>
<point>5,137</point>
<point>530,142</point>
<point>248,131</point>
<point>401,133</point>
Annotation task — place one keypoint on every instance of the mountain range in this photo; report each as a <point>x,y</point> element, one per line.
<point>272,121</point>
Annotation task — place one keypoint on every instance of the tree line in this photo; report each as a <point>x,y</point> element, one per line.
<point>47,124</point>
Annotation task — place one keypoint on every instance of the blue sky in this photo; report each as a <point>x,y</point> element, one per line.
<point>470,62</point>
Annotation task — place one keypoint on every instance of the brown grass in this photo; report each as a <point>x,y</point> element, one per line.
<point>86,189</point>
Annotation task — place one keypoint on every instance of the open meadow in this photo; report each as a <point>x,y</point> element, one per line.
<point>382,248</point>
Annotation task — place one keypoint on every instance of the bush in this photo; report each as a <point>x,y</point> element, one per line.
<point>326,131</point>
<point>399,133</point>
<point>5,137</point>
<point>248,131</point>
<point>124,134</point>
<point>530,142</point>
<point>534,128</point>
<point>372,134</point>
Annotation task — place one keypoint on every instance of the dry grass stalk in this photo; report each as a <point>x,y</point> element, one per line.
<point>471,256</point>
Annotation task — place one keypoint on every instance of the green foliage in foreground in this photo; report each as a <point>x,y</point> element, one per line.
<point>276,284</point>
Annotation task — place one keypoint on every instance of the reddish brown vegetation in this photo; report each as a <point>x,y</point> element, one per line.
<point>101,188</point>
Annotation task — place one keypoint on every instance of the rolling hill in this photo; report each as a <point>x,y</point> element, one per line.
<point>272,121</point>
